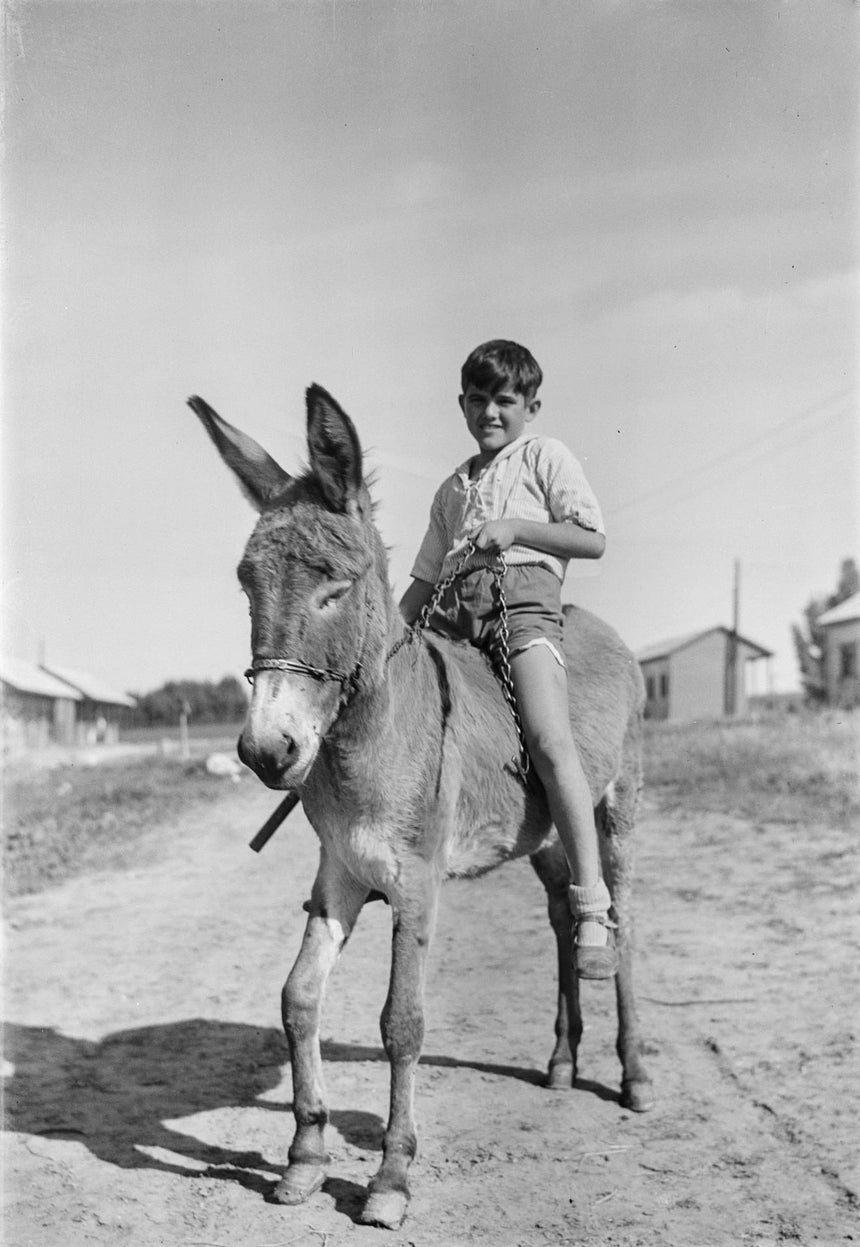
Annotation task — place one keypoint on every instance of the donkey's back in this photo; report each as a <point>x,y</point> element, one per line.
<point>492,815</point>
<point>607,697</point>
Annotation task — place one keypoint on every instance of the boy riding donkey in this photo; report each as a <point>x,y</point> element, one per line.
<point>524,497</point>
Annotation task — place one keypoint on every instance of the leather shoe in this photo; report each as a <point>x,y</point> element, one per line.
<point>595,961</point>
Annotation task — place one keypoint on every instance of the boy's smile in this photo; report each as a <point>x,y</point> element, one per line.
<point>496,420</point>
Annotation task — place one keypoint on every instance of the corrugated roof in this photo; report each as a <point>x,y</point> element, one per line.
<point>663,649</point>
<point>26,677</point>
<point>90,686</point>
<point>845,611</point>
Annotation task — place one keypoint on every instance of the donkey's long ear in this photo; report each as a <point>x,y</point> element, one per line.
<point>334,449</point>
<point>260,478</point>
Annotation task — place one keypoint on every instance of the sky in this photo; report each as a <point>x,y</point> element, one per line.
<point>239,199</point>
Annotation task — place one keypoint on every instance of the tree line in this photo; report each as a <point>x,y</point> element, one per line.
<point>202,701</point>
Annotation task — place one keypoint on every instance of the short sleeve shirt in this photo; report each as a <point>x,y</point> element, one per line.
<point>533,478</point>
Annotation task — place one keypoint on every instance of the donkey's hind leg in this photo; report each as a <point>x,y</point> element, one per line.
<point>615,816</point>
<point>552,870</point>
<point>333,909</point>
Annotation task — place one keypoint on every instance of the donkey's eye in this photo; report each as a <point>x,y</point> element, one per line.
<point>331,593</point>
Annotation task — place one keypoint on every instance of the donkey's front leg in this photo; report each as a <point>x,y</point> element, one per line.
<point>335,904</point>
<point>402,1025</point>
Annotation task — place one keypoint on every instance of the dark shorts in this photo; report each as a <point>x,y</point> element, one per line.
<point>469,610</point>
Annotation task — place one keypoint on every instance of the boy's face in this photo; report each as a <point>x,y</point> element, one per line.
<point>496,420</point>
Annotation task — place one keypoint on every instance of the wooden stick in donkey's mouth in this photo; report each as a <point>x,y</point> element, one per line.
<point>273,822</point>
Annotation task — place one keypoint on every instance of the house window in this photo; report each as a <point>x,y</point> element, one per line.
<point>664,685</point>
<point>650,686</point>
<point>847,661</point>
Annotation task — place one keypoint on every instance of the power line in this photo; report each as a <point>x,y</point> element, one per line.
<point>668,500</point>
<point>808,413</point>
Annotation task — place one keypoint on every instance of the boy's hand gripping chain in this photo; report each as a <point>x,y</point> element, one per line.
<point>413,631</point>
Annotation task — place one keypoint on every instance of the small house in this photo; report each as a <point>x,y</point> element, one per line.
<point>700,675</point>
<point>101,710</point>
<point>841,650</point>
<point>37,709</point>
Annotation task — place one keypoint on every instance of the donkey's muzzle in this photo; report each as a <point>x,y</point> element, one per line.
<point>271,761</point>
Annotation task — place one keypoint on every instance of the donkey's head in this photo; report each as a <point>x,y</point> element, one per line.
<point>314,572</point>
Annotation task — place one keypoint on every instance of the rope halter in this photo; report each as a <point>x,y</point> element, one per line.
<point>348,681</point>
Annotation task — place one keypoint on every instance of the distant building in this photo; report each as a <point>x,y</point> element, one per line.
<point>102,710</point>
<point>698,676</point>
<point>43,706</point>
<point>37,709</point>
<point>841,652</point>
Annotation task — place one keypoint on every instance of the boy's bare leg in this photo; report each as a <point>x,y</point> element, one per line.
<point>540,685</point>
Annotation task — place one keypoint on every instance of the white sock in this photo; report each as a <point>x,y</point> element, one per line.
<point>587,901</point>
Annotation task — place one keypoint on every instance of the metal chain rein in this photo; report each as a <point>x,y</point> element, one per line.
<point>413,632</point>
<point>503,665</point>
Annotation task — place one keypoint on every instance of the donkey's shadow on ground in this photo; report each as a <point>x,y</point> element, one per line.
<point>117,1096</point>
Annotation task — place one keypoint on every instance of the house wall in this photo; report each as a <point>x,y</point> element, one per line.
<point>98,723</point>
<point>697,678</point>
<point>692,682</point>
<point>32,721</point>
<point>842,645</point>
<point>64,717</point>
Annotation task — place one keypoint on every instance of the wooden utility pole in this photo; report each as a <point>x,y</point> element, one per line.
<point>732,648</point>
<point>184,712</point>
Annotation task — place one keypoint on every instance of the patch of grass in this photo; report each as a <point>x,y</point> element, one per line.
<point>62,822</point>
<point>799,768</point>
<point>222,735</point>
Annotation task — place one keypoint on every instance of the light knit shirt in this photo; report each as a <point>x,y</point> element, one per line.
<point>532,478</point>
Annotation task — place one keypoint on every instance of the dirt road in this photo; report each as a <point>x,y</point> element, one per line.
<point>147,1083</point>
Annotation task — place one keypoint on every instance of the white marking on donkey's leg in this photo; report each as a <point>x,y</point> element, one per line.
<point>334,907</point>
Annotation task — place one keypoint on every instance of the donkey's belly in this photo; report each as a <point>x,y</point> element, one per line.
<point>483,840</point>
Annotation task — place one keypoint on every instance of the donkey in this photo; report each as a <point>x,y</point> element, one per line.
<point>402,757</point>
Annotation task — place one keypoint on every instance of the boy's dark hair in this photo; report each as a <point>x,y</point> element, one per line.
<point>494,365</point>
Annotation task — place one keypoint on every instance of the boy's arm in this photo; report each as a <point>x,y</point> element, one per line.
<point>565,539</point>
<point>415,599</point>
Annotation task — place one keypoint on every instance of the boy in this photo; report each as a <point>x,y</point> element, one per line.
<point>524,496</point>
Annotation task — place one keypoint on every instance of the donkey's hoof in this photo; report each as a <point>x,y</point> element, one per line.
<point>560,1076</point>
<point>385,1209</point>
<point>637,1095</point>
<point>298,1184</point>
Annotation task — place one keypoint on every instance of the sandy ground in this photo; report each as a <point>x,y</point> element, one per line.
<point>147,1088</point>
